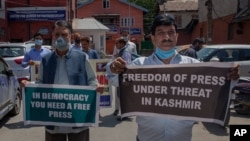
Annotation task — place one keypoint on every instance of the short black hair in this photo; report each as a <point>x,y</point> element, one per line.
<point>124,30</point>
<point>37,34</point>
<point>162,19</point>
<point>121,40</point>
<point>62,23</point>
<point>85,38</point>
<point>198,40</point>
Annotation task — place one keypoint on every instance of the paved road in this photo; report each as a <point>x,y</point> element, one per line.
<point>12,129</point>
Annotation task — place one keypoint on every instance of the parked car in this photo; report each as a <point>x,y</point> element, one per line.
<point>238,53</point>
<point>182,48</point>
<point>10,92</point>
<point>31,44</point>
<point>13,54</point>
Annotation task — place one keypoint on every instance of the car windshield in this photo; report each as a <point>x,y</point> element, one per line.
<point>29,46</point>
<point>204,53</point>
<point>12,51</point>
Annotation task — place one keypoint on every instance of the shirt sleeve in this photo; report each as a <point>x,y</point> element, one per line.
<point>25,60</point>
<point>112,77</point>
<point>92,81</point>
<point>127,57</point>
<point>96,55</point>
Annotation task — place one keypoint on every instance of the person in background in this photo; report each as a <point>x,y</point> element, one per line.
<point>36,53</point>
<point>164,37</point>
<point>85,41</point>
<point>67,67</point>
<point>77,41</point>
<point>131,45</point>
<point>196,46</point>
<point>120,44</point>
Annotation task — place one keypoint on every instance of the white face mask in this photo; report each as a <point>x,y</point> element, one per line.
<point>61,44</point>
<point>38,42</point>
<point>126,38</point>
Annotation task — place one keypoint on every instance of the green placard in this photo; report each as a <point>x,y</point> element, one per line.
<point>60,105</point>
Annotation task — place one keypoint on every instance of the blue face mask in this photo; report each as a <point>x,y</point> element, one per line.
<point>61,44</point>
<point>38,42</point>
<point>164,54</point>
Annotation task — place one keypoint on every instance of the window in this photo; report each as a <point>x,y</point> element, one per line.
<point>106,3</point>
<point>242,4</point>
<point>1,4</point>
<point>230,33</point>
<point>102,42</point>
<point>178,21</point>
<point>128,21</point>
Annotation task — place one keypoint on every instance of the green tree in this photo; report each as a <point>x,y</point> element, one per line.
<point>152,7</point>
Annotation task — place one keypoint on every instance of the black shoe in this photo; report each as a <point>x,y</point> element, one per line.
<point>116,112</point>
<point>119,118</point>
<point>125,118</point>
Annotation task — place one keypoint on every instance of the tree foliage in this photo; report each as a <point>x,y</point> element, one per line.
<point>152,7</point>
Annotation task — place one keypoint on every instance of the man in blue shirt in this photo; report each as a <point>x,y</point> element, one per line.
<point>36,53</point>
<point>85,41</point>
<point>196,46</point>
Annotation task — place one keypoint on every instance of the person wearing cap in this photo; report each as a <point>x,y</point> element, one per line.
<point>164,37</point>
<point>196,46</point>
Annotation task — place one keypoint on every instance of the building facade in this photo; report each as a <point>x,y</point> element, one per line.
<point>24,18</point>
<point>230,21</point>
<point>117,15</point>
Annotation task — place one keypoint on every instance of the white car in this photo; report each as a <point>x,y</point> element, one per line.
<point>238,53</point>
<point>31,44</point>
<point>10,92</point>
<point>13,54</point>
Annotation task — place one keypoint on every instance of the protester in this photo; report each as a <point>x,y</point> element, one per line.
<point>164,38</point>
<point>77,41</point>
<point>196,46</point>
<point>120,44</point>
<point>68,67</point>
<point>85,41</point>
<point>131,45</point>
<point>36,53</point>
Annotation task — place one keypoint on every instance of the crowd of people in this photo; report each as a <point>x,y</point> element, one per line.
<point>69,66</point>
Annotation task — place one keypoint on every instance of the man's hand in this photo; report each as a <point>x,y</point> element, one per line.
<point>31,62</point>
<point>24,83</point>
<point>234,73</point>
<point>100,88</point>
<point>118,65</point>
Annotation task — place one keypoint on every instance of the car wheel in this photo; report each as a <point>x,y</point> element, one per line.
<point>242,109</point>
<point>17,105</point>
